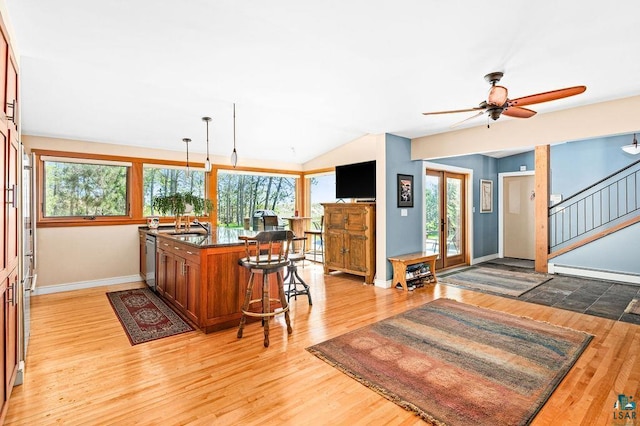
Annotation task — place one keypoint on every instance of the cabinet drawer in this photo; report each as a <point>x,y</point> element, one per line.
<point>184,251</point>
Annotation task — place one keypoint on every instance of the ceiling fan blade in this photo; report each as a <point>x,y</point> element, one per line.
<point>454,111</point>
<point>547,96</point>
<point>518,112</point>
<point>467,119</point>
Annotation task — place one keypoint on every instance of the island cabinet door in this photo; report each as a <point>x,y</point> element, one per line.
<point>161,271</point>
<point>172,264</point>
<point>186,288</point>
<point>166,279</point>
<point>192,285</point>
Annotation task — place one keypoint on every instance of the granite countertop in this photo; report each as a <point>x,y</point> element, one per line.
<point>197,237</point>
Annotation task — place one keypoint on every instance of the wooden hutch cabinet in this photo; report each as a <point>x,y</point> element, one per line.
<point>350,239</point>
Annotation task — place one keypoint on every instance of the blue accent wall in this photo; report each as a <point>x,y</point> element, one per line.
<point>512,163</point>
<point>616,247</point>
<point>576,165</point>
<point>404,233</point>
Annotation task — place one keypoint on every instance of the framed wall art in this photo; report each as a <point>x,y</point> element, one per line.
<point>405,190</point>
<point>486,196</point>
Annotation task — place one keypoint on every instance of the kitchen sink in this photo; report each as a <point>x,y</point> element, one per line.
<point>191,238</point>
<point>187,234</point>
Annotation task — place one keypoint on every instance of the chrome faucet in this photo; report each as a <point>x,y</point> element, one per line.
<point>206,226</point>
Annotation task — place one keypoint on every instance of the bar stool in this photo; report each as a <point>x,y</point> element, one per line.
<point>292,273</point>
<point>266,253</point>
<point>315,233</point>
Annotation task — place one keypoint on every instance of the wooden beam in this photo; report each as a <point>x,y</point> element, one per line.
<point>542,167</point>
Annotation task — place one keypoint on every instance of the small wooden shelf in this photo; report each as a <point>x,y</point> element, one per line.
<point>400,264</point>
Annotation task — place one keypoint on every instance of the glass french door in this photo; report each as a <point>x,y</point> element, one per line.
<point>445,217</point>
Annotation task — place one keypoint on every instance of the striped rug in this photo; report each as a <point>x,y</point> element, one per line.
<point>457,364</point>
<point>496,281</point>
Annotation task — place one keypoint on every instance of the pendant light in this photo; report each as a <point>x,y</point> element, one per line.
<point>234,154</point>
<point>632,149</point>
<point>207,163</point>
<point>186,141</point>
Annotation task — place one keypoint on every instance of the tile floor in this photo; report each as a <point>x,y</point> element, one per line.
<point>606,299</point>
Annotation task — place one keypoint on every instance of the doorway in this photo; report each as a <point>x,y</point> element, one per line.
<point>517,213</point>
<point>445,217</point>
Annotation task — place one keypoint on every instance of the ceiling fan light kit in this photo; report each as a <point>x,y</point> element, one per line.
<point>632,149</point>
<point>498,103</point>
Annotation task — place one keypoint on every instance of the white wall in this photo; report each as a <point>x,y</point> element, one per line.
<point>362,149</point>
<point>595,120</point>
<point>84,256</point>
<point>77,257</point>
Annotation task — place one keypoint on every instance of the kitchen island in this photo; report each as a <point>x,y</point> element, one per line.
<point>199,275</point>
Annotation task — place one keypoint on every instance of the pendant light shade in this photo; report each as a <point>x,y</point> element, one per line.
<point>186,141</point>
<point>632,149</point>
<point>207,163</point>
<point>234,154</point>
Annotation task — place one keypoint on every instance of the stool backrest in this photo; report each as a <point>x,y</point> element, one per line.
<point>268,247</point>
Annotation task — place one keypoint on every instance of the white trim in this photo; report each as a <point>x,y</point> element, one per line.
<point>594,273</point>
<point>501,177</point>
<point>79,285</point>
<point>484,258</point>
<point>382,283</point>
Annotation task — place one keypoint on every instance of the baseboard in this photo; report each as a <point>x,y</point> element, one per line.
<point>484,258</point>
<point>59,288</point>
<point>382,283</point>
<point>594,273</point>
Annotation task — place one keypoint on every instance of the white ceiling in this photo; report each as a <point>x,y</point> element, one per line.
<point>306,77</point>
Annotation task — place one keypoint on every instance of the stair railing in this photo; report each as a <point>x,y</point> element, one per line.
<point>605,203</point>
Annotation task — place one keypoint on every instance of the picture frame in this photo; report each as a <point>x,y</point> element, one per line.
<point>486,196</point>
<point>405,190</point>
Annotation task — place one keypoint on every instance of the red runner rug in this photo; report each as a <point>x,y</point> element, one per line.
<point>457,364</point>
<point>144,316</point>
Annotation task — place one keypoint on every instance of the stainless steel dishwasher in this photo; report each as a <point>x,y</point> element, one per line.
<point>150,252</point>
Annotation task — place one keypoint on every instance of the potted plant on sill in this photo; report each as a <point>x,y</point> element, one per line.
<point>179,204</point>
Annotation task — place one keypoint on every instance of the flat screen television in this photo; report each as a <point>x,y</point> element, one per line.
<point>356,180</point>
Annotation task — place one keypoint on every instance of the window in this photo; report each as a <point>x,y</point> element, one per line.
<point>163,180</point>
<point>241,194</point>
<point>84,188</point>
<point>322,190</point>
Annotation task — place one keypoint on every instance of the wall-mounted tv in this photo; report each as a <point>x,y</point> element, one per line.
<point>356,180</point>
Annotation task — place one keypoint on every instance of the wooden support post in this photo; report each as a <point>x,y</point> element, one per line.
<point>542,167</point>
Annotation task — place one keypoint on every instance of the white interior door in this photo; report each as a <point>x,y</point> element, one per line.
<point>518,212</point>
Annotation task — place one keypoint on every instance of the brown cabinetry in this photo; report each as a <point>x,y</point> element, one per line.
<point>11,329</point>
<point>10,174</point>
<point>350,239</point>
<point>204,284</point>
<point>178,276</point>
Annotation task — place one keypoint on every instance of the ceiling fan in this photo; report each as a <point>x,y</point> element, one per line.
<point>498,103</point>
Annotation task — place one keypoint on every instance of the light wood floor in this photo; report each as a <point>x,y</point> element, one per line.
<point>82,370</point>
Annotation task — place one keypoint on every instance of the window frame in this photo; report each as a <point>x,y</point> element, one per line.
<point>135,187</point>
<point>86,162</point>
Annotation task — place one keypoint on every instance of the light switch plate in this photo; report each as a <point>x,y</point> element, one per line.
<point>403,212</point>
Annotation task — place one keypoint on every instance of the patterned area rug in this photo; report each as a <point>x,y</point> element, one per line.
<point>145,316</point>
<point>458,364</point>
<point>496,281</point>
<point>633,307</point>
